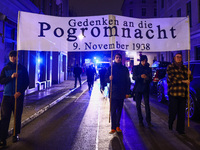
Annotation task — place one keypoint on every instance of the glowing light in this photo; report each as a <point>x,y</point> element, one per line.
<point>39,60</point>
<point>80,37</point>
<point>95,58</point>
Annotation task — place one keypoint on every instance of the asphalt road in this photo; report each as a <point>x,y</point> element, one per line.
<point>80,121</point>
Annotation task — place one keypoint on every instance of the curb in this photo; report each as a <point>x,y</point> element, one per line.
<point>41,111</point>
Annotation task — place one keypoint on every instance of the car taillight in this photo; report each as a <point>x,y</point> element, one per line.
<point>156,79</point>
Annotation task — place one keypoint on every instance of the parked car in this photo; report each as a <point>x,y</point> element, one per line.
<point>158,72</point>
<point>162,90</point>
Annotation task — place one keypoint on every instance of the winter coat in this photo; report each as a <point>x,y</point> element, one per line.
<point>9,83</point>
<point>142,85</point>
<point>90,72</point>
<point>77,71</point>
<point>120,82</point>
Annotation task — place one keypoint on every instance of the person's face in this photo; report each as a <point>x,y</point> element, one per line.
<point>118,59</point>
<point>144,62</point>
<point>12,59</point>
<point>178,58</point>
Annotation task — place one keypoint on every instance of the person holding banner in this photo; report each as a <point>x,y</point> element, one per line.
<point>8,79</point>
<point>177,88</point>
<point>119,91</point>
<point>142,74</point>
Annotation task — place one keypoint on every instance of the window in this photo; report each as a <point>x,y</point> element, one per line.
<point>155,12</point>
<point>131,13</point>
<point>197,49</point>
<point>143,1</point>
<point>43,6</point>
<point>60,9</point>
<point>162,57</point>
<point>162,3</point>
<point>189,12</point>
<point>144,12</point>
<point>196,71</point>
<point>50,7</point>
<point>199,10</point>
<point>179,13</point>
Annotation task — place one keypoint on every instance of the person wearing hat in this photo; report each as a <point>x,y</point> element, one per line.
<point>7,78</point>
<point>142,74</point>
<point>120,91</point>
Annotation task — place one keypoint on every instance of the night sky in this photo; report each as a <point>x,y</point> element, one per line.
<point>95,7</point>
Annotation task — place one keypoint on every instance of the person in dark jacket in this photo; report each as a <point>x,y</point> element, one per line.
<point>90,72</point>
<point>77,74</point>
<point>177,88</point>
<point>102,73</point>
<point>7,78</point>
<point>120,90</point>
<point>142,74</point>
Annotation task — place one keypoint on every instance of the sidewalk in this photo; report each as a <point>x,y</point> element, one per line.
<point>38,102</point>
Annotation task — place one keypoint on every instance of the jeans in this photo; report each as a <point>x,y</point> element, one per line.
<point>7,107</point>
<point>177,107</point>
<point>116,111</point>
<point>79,78</point>
<point>138,99</point>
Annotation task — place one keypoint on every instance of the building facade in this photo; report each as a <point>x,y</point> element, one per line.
<point>183,8</point>
<point>44,68</point>
<point>140,9</point>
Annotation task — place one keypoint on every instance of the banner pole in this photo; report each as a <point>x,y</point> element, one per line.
<point>188,89</point>
<point>111,83</point>
<point>15,110</point>
<point>188,74</point>
<point>111,40</point>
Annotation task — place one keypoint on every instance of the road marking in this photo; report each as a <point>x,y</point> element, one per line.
<point>98,124</point>
<point>80,95</point>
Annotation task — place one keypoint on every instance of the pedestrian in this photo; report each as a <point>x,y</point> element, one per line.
<point>177,88</point>
<point>102,73</point>
<point>7,78</point>
<point>90,72</point>
<point>142,74</point>
<point>77,74</point>
<point>119,91</point>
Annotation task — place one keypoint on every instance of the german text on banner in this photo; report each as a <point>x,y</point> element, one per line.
<point>101,33</point>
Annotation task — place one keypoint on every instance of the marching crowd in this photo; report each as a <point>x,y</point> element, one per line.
<point>118,77</point>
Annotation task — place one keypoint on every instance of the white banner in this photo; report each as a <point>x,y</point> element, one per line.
<point>101,33</point>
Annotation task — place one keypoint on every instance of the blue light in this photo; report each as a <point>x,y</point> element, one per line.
<point>39,60</point>
<point>97,60</point>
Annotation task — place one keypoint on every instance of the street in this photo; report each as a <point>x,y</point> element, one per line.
<point>81,121</point>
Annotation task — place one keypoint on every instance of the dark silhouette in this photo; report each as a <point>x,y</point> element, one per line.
<point>77,74</point>
<point>91,71</point>
<point>142,74</point>
<point>102,73</point>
